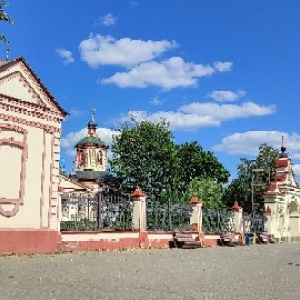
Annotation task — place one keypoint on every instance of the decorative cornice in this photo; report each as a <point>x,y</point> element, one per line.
<point>47,128</point>
<point>30,109</point>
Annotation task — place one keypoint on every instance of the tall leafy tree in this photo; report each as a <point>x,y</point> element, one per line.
<point>195,162</point>
<point>144,154</point>
<point>266,161</point>
<point>253,178</point>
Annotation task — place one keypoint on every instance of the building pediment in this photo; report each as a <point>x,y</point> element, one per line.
<point>19,82</point>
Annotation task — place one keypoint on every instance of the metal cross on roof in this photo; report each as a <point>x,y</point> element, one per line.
<point>283,148</point>
<point>93,114</point>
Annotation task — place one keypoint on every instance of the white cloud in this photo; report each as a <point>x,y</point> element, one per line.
<point>296,156</point>
<point>76,113</point>
<point>296,169</point>
<point>223,66</point>
<point>224,112</point>
<point>156,101</point>
<point>66,55</point>
<point>105,50</point>
<point>72,138</point>
<point>108,20</point>
<point>200,115</point>
<point>224,95</point>
<point>168,74</point>
<point>247,143</point>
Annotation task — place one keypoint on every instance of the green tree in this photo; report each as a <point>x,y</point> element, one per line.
<point>207,190</point>
<point>240,189</point>
<point>266,161</point>
<point>195,162</point>
<point>253,179</point>
<point>144,154</point>
<point>4,16</point>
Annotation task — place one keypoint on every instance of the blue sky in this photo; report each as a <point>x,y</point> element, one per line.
<point>223,73</point>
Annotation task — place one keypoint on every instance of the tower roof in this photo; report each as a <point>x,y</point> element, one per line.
<point>92,124</point>
<point>90,141</point>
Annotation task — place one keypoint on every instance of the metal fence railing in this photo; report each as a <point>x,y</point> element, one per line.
<point>113,211</point>
<point>217,221</point>
<point>168,216</point>
<point>103,210</point>
<point>255,222</point>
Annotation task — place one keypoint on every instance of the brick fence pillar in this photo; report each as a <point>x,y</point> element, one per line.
<point>196,217</point>
<point>139,218</point>
<point>268,226</point>
<point>238,223</point>
<point>237,218</point>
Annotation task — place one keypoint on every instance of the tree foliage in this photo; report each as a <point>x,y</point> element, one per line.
<point>195,162</point>
<point>145,154</point>
<point>253,179</point>
<point>4,16</point>
<point>207,190</point>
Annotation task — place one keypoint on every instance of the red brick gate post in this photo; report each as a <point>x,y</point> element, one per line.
<point>139,219</point>
<point>196,217</point>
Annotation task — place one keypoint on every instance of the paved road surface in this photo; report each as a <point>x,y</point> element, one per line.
<point>246,272</point>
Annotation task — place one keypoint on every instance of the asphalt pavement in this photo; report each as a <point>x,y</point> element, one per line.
<point>244,272</point>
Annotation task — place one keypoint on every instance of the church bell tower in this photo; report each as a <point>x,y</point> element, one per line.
<point>91,154</point>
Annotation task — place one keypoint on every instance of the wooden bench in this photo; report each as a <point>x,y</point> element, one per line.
<point>185,241</point>
<point>264,238</point>
<point>228,239</point>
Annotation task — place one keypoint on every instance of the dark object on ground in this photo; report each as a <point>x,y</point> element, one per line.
<point>229,239</point>
<point>264,238</point>
<point>185,241</point>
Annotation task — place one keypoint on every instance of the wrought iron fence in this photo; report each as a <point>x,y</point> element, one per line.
<point>217,221</point>
<point>104,210</point>
<point>168,216</point>
<point>255,222</point>
<point>115,211</point>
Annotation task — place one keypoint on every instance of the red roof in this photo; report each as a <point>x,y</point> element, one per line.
<point>268,210</point>
<point>194,200</point>
<point>235,206</point>
<point>280,177</point>
<point>138,193</point>
<point>281,162</point>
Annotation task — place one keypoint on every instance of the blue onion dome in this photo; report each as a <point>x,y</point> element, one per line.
<point>92,124</point>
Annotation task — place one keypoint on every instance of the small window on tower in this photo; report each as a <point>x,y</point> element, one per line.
<point>100,157</point>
